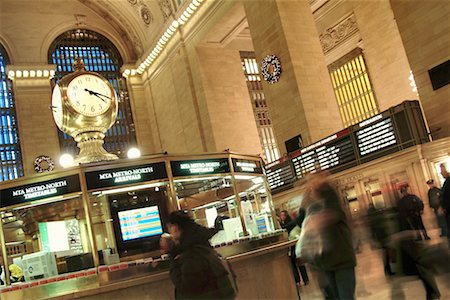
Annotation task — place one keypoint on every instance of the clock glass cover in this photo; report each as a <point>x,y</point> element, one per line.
<point>89,95</point>
<point>57,106</point>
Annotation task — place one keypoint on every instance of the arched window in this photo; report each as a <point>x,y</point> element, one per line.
<point>100,56</point>
<point>10,156</point>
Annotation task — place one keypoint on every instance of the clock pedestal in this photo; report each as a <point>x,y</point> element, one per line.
<point>91,148</point>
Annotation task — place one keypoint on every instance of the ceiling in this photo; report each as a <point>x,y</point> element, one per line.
<point>28,27</point>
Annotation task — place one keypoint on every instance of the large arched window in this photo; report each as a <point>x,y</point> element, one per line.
<point>100,56</point>
<point>10,156</point>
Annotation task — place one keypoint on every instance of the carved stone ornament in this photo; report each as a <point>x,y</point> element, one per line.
<point>43,163</point>
<point>166,9</point>
<point>146,15</point>
<point>337,34</point>
<point>271,69</point>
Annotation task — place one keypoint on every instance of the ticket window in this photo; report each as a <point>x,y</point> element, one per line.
<point>212,203</point>
<point>127,223</point>
<point>45,240</point>
<point>374,194</point>
<point>256,204</point>
<point>351,200</point>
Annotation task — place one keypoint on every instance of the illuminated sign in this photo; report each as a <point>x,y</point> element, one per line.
<point>200,167</point>
<point>337,152</point>
<point>375,137</point>
<point>247,166</point>
<point>39,190</point>
<point>122,176</point>
<point>280,175</point>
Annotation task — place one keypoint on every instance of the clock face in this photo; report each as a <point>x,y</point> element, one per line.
<point>89,95</point>
<point>57,106</point>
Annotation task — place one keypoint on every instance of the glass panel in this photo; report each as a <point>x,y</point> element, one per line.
<point>212,203</point>
<point>128,225</point>
<point>256,204</point>
<point>10,153</point>
<point>352,88</point>
<point>46,240</point>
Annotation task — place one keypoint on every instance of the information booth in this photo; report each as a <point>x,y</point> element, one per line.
<point>90,229</point>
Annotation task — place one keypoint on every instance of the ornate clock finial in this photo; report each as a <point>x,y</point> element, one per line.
<point>78,64</point>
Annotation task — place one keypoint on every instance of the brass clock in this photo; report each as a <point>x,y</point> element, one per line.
<point>85,106</point>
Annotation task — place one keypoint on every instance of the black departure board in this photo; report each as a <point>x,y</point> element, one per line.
<point>393,130</point>
<point>327,154</point>
<point>280,175</point>
<point>376,136</point>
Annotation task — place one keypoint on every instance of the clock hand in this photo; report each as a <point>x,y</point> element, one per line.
<point>98,95</point>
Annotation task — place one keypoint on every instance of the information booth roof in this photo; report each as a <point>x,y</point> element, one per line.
<point>124,172</point>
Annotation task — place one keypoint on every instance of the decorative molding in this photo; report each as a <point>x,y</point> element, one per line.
<point>166,9</point>
<point>146,15</point>
<point>336,35</point>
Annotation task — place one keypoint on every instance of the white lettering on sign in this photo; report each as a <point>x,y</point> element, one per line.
<point>202,167</point>
<point>126,175</point>
<point>246,166</point>
<point>319,143</point>
<point>371,120</point>
<point>40,190</point>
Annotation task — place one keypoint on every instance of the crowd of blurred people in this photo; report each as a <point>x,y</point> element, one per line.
<point>325,243</point>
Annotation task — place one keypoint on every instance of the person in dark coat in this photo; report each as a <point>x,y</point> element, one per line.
<point>445,198</point>
<point>196,270</point>
<point>434,200</point>
<point>287,223</point>
<point>410,208</point>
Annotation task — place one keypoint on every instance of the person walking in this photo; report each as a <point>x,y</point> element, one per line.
<point>410,208</point>
<point>434,199</point>
<point>445,198</point>
<point>326,240</point>
<point>196,269</point>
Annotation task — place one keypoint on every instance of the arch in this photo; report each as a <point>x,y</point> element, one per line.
<point>8,47</point>
<point>126,53</point>
<point>10,153</point>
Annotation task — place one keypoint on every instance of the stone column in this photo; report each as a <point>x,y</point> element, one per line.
<point>227,99</point>
<point>424,28</point>
<point>303,100</point>
<point>38,133</point>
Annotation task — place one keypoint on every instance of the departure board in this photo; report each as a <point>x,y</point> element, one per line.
<point>140,223</point>
<point>329,153</point>
<point>280,175</point>
<point>376,136</point>
<point>393,130</point>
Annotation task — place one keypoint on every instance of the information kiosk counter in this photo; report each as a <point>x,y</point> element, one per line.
<point>95,228</point>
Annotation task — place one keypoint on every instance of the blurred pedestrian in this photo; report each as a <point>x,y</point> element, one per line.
<point>196,270</point>
<point>326,240</point>
<point>434,199</point>
<point>410,209</point>
<point>445,198</point>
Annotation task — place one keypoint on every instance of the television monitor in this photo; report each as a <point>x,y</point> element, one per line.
<point>139,218</point>
<point>140,223</point>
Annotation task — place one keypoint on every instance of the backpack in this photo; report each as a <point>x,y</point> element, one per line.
<point>222,271</point>
<point>231,275</point>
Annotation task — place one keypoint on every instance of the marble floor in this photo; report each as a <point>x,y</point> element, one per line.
<point>372,283</point>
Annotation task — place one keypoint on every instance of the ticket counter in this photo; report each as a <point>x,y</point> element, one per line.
<point>95,226</point>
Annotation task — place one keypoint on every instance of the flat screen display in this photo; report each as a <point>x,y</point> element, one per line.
<point>140,223</point>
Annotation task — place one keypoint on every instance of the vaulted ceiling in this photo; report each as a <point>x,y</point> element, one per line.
<point>27,27</point>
